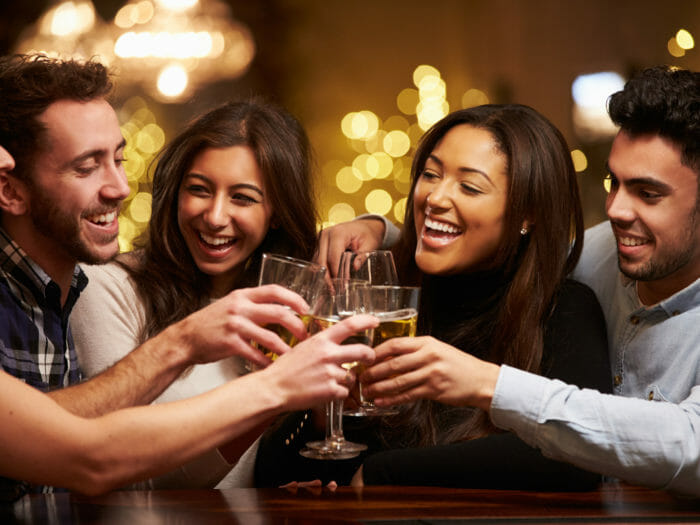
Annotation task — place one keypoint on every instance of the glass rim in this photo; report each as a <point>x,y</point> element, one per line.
<point>293,260</point>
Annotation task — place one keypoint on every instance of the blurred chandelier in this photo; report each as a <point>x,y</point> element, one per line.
<point>169,47</point>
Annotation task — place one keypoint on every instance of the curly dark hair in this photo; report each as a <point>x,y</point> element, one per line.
<point>666,101</point>
<point>29,84</point>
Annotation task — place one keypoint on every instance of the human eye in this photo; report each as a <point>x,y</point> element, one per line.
<point>470,189</point>
<point>244,199</point>
<point>87,168</point>
<point>429,175</point>
<point>649,195</point>
<point>196,188</point>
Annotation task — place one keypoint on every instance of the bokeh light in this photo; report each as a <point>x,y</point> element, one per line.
<point>378,201</point>
<point>684,39</point>
<point>474,97</point>
<point>400,210</point>
<point>341,212</point>
<point>397,143</point>
<point>347,181</point>
<point>579,160</point>
<point>172,81</point>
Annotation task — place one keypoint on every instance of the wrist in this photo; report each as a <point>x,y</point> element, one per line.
<point>486,386</point>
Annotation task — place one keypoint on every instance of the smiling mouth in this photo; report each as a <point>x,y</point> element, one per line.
<point>102,219</point>
<point>441,229</point>
<point>631,241</point>
<point>216,243</point>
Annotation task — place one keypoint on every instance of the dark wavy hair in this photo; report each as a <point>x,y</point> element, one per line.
<point>29,84</point>
<point>529,269</point>
<point>167,278</point>
<point>665,101</point>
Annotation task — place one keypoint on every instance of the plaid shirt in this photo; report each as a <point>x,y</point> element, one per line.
<point>35,341</point>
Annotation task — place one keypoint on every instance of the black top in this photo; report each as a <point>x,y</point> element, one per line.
<point>575,351</point>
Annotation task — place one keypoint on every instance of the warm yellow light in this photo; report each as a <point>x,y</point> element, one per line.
<point>177,5</point>
<point>140,207</point>
<point>397,143</point>
<point>72,18</point>
<point>384,164</point>
<point>360,168</point>
<point>347,181</point>
<point>474,97</point>
<point>378,201</point>
<point>164,45</point>
<point>376,142</point>
<point>400,210</point>
<point>429,114</point>
<point>579,159</point>
<point>398,122</point>
<point>422,71</point>
<point>150,139</point>
<point>172,81</point>
<point>341,212</point>
<point>127,231</point>
<point>607,183</point>
<point>360,125</point>
<point>432,88</point>
<point>132,14</point>
<point>407,100</point>
<point>685,39</point>
<point>674,49</point>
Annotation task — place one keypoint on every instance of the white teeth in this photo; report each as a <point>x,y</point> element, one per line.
<point>105,218</point>
<point>631,241</point>
<point>215,241</point>
<point>441,226</point>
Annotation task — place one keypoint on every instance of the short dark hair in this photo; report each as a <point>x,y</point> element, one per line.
<point>29,84</point>
<point>666,101</point>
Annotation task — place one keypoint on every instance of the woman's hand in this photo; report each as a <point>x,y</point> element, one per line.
<point>410,368</point>
<point>227,326</point>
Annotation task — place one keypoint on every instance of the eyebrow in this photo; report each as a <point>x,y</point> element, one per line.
<point>93,153</point>
<point>463,169</point>
<point>642,181</point>
<point>242,185</point>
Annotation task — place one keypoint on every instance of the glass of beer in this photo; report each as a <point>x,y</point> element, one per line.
<point>303,277</point>
<point>396,307</point>
<point>341,299</point>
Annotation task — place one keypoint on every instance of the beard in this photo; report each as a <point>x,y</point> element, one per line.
<point>667,264</point>
<point>55,223</point>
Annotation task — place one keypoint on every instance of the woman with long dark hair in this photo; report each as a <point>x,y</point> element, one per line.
<point>235,183</point>
<point>493,226</point>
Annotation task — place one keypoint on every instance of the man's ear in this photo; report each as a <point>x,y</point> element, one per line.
<point>13,195</point>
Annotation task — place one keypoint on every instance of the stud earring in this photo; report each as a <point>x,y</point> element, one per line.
<point>523,231</point>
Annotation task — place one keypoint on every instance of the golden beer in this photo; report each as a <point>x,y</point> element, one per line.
<point>401,323</point>
<point>283,334</point>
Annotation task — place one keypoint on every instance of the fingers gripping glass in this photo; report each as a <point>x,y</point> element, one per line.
<point>340,299</point>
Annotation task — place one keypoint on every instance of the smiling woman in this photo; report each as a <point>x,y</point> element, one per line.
<point>233,184</point>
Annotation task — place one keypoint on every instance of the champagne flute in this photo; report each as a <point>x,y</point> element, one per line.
<point>340,299</point>
<point>396,307</point>
<point>303,277</point>
<point>375,267</point>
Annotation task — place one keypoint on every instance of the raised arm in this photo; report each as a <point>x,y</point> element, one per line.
<point>43,443</point>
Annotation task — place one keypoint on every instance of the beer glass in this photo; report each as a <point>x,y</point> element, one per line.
<point>303,277</point>
<point>340,299</point>
<point>396,307</point>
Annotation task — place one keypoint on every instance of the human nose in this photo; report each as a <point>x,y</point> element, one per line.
<point>439,196</point>
<point>216,215</point>
<point>619,206</point>
<point>116,186</point>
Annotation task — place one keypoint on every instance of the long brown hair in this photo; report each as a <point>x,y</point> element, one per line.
<point>543,191</point>
<point>167,278</point>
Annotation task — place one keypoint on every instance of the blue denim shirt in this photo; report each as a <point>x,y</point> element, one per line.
<point>649,432</point>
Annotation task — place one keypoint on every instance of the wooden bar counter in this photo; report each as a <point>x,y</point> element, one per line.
<point>396,505</point>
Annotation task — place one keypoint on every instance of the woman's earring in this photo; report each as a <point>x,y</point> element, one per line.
<point>523,231</point>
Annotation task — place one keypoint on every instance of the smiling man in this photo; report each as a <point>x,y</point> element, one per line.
<point>644,266</point>
<point>58,207</point>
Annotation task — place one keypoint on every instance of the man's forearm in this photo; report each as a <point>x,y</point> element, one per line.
<point>137,379</point>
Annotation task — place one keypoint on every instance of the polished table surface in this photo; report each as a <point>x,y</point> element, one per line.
<point>396,505</point>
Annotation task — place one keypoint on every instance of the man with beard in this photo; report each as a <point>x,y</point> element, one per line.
<point>644,266</point>
<point>59,206</point>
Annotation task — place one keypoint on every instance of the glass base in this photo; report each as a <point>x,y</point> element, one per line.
<point>370,411</point>
<point>332,449</point>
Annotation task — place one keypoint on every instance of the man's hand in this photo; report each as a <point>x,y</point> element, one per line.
<point>410,368</point>
<point>358,235</point>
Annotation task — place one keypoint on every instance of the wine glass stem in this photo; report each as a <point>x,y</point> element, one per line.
<point>334,421</point>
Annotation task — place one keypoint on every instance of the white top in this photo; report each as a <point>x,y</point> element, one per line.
<point>106,323</point>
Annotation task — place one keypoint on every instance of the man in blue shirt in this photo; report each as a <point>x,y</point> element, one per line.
<point>644,266</point>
